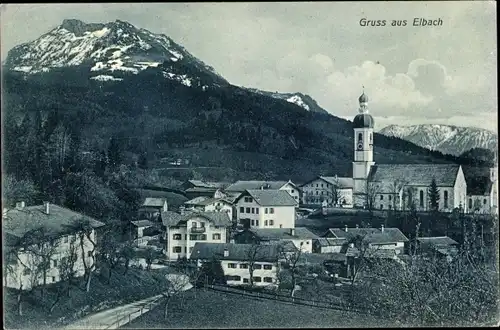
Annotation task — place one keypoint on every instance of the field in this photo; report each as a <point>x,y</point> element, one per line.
<point>211,309</point>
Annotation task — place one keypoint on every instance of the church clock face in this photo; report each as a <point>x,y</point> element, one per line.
<point>360,145</point>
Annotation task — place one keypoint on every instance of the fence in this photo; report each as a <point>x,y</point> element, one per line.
<point>122,319</point>
<point>287,299</point>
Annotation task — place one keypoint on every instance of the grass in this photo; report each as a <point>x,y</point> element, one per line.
<point>209,309</point>
<point>122,289</point>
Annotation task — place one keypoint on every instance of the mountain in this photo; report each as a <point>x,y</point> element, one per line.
<point>87,88</point>
<point>304,101</point>
<point>447,139</point>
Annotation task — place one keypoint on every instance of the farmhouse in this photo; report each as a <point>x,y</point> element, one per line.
<point>301,237</point>
<point>288,186</point>
<point>328,245</point>
<point>152,207</point>
<point>207,204</point>
<point>240,260</point>
<point>183,231</point>
<point>332,189</point>
<point>266,209</point>
<point>45,235</point>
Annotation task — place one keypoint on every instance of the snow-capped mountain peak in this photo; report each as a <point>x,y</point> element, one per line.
<point>114,47</point>
<point>444,138</point>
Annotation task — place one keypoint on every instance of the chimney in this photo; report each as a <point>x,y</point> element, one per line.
<point>226,252</point>
<point>47,207</point>
<point>20,205</point>
<point>382,228</point>
<point>292,231</point>
<point>345,229</point>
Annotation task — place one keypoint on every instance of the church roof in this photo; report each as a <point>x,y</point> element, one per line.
<point>416,174</point>
<point>363,120</point>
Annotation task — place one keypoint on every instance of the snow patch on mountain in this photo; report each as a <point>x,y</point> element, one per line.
<point>103,77</point>
<point>298,100</point>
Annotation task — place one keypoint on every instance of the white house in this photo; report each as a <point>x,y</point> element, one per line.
<point>266,209</point>
<point>183,231</point>
<point>332,189</point>
<point>207,204</point>
<point>301,237</point>
<point>237,260</point>
<point>41,222</point>
<point>288,186</point>
<point>377,239</point>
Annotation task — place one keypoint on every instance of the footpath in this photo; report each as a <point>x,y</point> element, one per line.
<point>114,318</point>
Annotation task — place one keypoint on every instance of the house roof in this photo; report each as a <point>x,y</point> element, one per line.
<point>282,233</point>
<point>253,185</point>
<point>340,182</point>
<point>270,197</point>
<point>203,201</point>
<point>18,222</point>
<point>154,202</point>
<point>371,235</point>
<point>437,241</point>
<point>201,189</point>
<point>172,219</point>
<point>240,252</point>
<point>142,223</point>
<point>416,174</point>
<point>330,241</point>
<point>372,253</point>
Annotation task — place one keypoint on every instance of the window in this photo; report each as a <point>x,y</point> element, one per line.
<point>317,192</point>
<point>216,237</point>
<point>445,197</point>
<point>185,249</point>
<point>55,263</point>
<point>231,265</point>
<point>257,266</point>
<point>390,197</point>
<point>265,210</point>
<point>203,237</point>
<point>26,271</point>
<point>271,210</point>
<point>321,185</point>
<point>268,279</point>
<point>194,225</point>
<point>257,223</point>
<point>307,242</point>
<point>253,210</point>
<point>470,203</point>
<point>53,278</point>
<point>245,280</point>
<point>271,222</point>
<point>268,267</point>
<point>257,279</point>
<point>202,224</point>
<point>257,210</point>
<point>185,237</point>
<point>193,237</point>
<point>381,197</point>
<point>177,249</point>
<point>177,237</point>
<point>244,266</point>
<point>89,254</point>
<point>242,209</point>
<point>248,199</point>
<point>484,201</point>
<point>360,137</point>
<point>233,278</point>
<point>247,210</point>
<point>265,222</point>
<point>371,138</point>
<point>381,206</point>
<point>421,198</point>
<point>293,191</point>
<point>253,222</point>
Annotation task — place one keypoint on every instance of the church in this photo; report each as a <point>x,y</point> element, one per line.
<point>399,186</point>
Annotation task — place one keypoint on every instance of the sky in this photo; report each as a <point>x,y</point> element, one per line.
<point>412,74</point>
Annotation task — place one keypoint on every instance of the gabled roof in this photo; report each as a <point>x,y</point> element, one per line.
<point>18,222</point>
<point>203,201</point>
<point>437,241</point>
<point>173,219</point>
<point>237,252</point>
<point>201,184</point>
<point>340,182</point>
<point>142,223</point>
<point>270,197</point>
<point>201,189</point>
<point>268,234</point>
<point>253,185</point>
<point>323,241</point>
<point>371,235</point>
<point>416,174</point>
<point>154,202</point>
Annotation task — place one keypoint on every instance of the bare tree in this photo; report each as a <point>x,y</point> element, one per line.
<point>67,270</point>
<point>150,255</point>
<point>127,254</point>
<point>291,260</point>
<point>373,189</point>
<point>254,254</point>
<point>176,284</point>
<point>396,188</point>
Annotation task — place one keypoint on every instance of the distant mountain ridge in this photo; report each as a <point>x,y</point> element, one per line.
<point>447,139</point>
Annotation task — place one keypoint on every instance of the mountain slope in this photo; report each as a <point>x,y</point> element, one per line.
<point>225,130</point>
<point>444,138</point>
<point>304,101</point>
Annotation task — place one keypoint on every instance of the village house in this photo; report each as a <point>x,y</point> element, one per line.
<point>482,194</point>
<point>288,186</point>
<point>199,188</point>
<point>237,259</point>
<point>207,204</point>
<point>44,233</point>
<point>184,230</point>
<point>441,247</point>
<point>144,231</point>
<point>335,191</point>
<point>152,207</point>
<point>301,237</point>
<point>328,245</point>
<point>266,209</point>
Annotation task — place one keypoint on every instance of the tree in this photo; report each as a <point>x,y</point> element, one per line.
<point>211,272</point>
<point>175,285</point>
<point>18,190</point>
<point>433,195</point>
<point>254,254</point>
<point>150,256</point>
<point>291,260</point>
<point>372,191</point>
<point>127,253</point>
<point>67,270</point>
<point>115,153</point>
<point>396,189</point>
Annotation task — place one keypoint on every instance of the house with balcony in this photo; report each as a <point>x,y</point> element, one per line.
<point>238,260</point>
<point>45,233</point>
<point>329,190</point>
<point>288,186</point>
<point>207,204</point>
<point>263,208</point>
<point>301,237</point>
<point>184,230</point>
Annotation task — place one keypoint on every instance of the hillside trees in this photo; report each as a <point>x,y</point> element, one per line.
<point>433,195</point>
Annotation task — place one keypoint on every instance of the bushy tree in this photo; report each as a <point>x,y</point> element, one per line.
<point>433,194</point>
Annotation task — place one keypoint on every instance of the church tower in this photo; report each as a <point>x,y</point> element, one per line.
<point>363,151</point>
